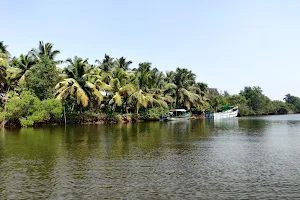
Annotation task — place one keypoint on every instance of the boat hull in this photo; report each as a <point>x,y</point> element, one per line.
<point>225,115</point>
<point>178,118</point>
<point>220,115</point>
<point>176,115</point>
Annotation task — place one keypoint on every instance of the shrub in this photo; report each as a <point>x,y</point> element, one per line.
<point>244,110</point>
<point>26,122</point>
<point>113,117</point>
<point>28,110</point>
<point>153,113</point>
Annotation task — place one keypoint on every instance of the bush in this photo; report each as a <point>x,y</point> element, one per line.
<point>127,117</point>
<point>1,116</point>
<point>113,117</point>
<point>292,108</point>
<point>26,122</point>
<point>28,110</point>
<point>153,113</point>
<point>283,108</point>
<point>244,110</point>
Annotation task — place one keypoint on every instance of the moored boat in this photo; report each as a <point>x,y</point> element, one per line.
<point>233,112</point>
<point>176,115</point>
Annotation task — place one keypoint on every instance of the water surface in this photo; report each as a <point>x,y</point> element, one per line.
<point>250,158</point>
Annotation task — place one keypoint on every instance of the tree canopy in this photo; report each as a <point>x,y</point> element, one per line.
<point>113,87</point>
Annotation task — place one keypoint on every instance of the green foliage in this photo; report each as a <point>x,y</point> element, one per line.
<point>244,110</point>
<point>113,117</point>
<point>28,110</point>
<point>281,108</point>
<point>217,102</point>
<point>79,83</point>
<point>1,116</point>
<point>109,91</point>
<point>254,98</point>
<point>183,88</point>
<point>4,55</point>
<point>293,101</point>
<point>293,108</point>
<point>153,113</point>
<point>45,50</point>
<point>42,79</point>
<point>22,66</point>
<point>128,117</point>
<point>25,122</point>
<point>251,101</point>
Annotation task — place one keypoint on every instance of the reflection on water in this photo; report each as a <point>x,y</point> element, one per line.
<point>256,157</point>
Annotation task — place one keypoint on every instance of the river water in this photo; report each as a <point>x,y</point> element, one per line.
<point>239,158</point>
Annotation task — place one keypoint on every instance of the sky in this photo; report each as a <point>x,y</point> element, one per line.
<point>228,44</point>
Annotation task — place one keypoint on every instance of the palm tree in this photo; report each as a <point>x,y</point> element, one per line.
<point>202,91</point>
<point>170,77</point>
<point>45,49</point>
<point>121,88</point>
<point>149,83</point>
<point>182,88</point>
<point>122,63</point>
<point>4,55</point>
<point>143,75</point>
<point>24,65</point>
<point>107,66</point>
<point>139,99</point>
<point>77,83</point>
<point>156,79</point>
<point>2,76</point>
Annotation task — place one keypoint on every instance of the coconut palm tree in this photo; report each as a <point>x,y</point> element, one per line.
<point>122,63</point>
<point>170,77</point>
<point>156,79</point>
<point>121,87</point>
<point>23,66</point>
<point>149,83</point>
<point>139,99</point>
<point>4,56</point>
<point>77,83</point>
<point>9,88</point>
<point>2,77</point>
<point>202,91</point>
<point>182,87</point>
<point>45,49</point>
<point>143,75</point>
<point>107,65</point>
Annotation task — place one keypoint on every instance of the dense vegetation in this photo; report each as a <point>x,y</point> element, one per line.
<point>35,90</point>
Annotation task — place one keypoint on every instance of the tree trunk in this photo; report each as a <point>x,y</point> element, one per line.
<point>91,106</point>
<point>65,115</point>
<point>6,99</point>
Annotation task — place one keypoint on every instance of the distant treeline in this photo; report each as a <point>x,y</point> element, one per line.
<point>34,90</point>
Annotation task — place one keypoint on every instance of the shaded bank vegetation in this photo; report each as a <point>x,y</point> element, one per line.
<point>35,90</point>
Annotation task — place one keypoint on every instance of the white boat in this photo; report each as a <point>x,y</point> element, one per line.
<point>178,114</point>
<point>225,114</point>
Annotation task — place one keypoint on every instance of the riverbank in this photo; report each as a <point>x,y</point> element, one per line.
<point>115,118</point>
<point>90,118</point>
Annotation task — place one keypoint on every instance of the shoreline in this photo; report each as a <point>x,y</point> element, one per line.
<point>122,121</point>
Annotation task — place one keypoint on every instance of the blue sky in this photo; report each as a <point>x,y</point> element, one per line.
<point>228,44</point>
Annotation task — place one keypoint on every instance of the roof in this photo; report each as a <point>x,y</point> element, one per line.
<point>176,110</point>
